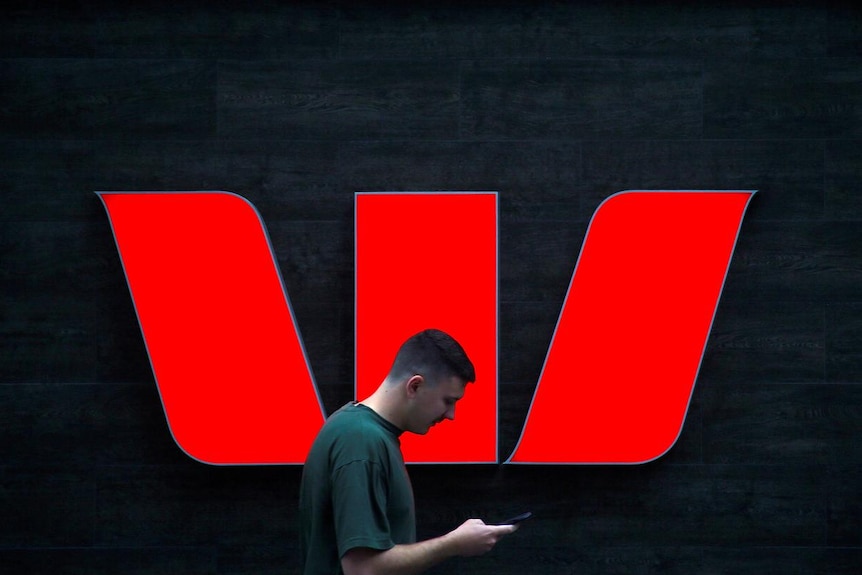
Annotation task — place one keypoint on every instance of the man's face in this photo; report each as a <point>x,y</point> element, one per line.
<point>432,403</point>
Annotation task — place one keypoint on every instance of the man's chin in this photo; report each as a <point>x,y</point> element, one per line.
<point>425,430</point>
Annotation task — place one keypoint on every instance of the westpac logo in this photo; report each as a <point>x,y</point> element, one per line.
<point>236,386</point>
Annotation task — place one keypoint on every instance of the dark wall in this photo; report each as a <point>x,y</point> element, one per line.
<point>556,105</point>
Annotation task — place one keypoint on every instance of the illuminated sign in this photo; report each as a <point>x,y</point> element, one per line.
<point>237,388</point>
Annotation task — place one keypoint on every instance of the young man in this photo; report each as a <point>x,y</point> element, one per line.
<point>356,502</point>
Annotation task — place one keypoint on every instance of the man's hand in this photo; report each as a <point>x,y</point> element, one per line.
<point>474,537</point>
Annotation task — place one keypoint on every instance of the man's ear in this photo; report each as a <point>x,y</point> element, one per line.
<point>413,384</point>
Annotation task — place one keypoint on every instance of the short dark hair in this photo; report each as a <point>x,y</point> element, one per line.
<point>434,355</point>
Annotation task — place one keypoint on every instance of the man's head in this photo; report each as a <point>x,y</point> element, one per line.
<point>431,369</point>
<point>433,354</point>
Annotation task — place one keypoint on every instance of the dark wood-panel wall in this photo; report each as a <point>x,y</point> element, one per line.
<point>555,105</point>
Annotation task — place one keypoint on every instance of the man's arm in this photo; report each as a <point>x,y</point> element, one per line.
<point>473,537</point>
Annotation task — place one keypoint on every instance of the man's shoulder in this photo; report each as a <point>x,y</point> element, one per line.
<point>357,415</point>
<point>351,415</point>
<point>355,431</point>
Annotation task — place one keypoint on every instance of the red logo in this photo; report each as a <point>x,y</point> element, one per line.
<point>237,388</point>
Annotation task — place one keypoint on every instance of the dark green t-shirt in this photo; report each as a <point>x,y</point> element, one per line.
<point>355,491</point>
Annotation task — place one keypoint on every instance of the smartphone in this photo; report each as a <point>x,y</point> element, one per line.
<point>517,518</point>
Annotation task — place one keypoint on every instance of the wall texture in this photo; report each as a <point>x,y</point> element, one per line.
<point>555,105</point>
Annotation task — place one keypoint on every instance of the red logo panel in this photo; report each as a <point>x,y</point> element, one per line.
<point>430,260</point>
<point>621,368</point>
<point>222,340</point>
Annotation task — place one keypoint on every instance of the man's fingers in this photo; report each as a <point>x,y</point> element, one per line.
<point>506,529</point>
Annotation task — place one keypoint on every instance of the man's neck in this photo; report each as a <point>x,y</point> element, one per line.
<point>383,403</point>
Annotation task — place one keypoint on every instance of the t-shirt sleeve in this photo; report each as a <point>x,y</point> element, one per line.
<point>359,506</point>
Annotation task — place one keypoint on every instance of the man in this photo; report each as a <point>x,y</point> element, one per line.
<point>356,502</point>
